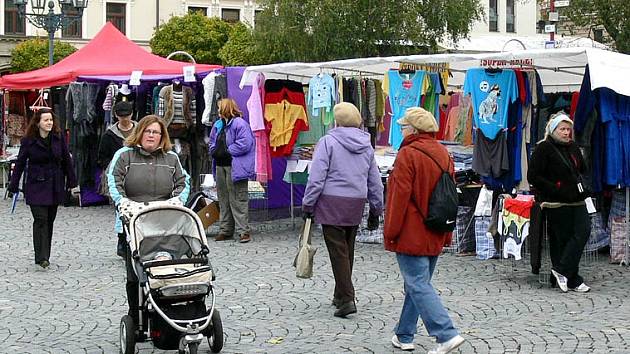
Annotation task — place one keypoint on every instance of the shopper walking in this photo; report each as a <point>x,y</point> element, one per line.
<point>417,247</point>
<point>111,141</point>
<point>232,148</point>
<point>49,174</point>
<point>145,170</point>
<point>554,171</point>
<point>342,176</point>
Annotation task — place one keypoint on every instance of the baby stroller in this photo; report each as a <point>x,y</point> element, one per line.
<point>169,254</point>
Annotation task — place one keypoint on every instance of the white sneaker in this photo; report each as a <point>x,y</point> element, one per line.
<point>583,288</point>
<point>448,346</point>
<point>561,280</point>
<point>404,346</point>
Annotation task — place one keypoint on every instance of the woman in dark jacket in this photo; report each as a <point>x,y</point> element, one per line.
<point>49,174</point>
<point>554,172</point>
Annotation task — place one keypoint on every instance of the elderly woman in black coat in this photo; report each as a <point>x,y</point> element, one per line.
<point>49,174</point>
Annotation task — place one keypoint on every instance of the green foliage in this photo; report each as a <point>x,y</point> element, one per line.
<point>32,54</point>
<point>200,36</point>
<point>240,48</point>
<point>317,30</point>
<point>611,14</point>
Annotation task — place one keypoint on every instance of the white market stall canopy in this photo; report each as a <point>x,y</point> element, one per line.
<point>558,68</point>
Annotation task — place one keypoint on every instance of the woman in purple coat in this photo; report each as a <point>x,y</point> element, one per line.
<point>233,149</point>
<point>49,174</point>
<point>342,177</point>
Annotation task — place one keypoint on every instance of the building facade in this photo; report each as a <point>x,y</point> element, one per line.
<point>137,19</point>
<point>505,17</point>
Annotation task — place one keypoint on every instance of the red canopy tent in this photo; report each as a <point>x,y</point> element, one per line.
<point>109,53</point>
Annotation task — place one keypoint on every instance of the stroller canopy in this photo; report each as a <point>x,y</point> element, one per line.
<point>176,231</point>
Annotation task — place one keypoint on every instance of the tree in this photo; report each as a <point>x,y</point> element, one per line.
<point>32,54</point>
<point>316,30</point>
<point>240,48</point>
<point>198,35</point>
<point>611,14</point>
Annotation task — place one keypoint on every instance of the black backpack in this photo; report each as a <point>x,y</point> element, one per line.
<point>443,202</point>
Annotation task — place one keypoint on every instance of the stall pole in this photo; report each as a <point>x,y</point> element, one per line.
<point>626,258</point>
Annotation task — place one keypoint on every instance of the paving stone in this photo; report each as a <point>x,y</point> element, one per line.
<point>75,306</point>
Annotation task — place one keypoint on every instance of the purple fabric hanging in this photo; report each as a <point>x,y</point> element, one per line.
<point>234,75</point>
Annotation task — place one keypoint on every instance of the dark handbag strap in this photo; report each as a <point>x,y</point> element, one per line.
<point>431,157</point>
<point>571,167</point>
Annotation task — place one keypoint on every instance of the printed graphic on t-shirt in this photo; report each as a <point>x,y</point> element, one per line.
<point>491,92</point>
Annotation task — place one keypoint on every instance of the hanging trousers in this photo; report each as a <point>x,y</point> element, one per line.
<point>340,244</point>
<point>569,228</point>
<point>43,220</point>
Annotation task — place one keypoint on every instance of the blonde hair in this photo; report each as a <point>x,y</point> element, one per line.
<point>135,139</point>
<point>228,109</point>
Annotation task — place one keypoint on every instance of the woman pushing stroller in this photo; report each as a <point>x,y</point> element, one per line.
<point>145,170</point>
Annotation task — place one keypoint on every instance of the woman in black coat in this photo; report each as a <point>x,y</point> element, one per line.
<point>554,171</point>
<point>49,174</point>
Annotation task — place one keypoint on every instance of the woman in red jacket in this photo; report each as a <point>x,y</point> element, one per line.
<point>417,247</point>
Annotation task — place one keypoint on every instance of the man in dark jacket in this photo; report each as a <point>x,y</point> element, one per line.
<point>111,141</point>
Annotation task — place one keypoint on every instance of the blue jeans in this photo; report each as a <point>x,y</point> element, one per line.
<point>421,300</point>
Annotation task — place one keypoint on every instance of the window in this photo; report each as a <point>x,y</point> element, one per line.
<point>493,16</point>
<point>231,15</point>
<point>13,24</point>
<point>256,14</point>
<point>201,10</point>
<point>73,29</point>
<point>598,35</point>
<point>116,14</point>
<point>510,16</point>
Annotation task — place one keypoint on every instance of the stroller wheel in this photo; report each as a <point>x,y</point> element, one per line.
<point>215,333</point>
<point>127,335</point>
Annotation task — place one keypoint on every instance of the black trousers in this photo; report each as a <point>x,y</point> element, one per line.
<point>568,229</point>
<point>340,244</point>
<point>43,220</point>
<point>132,287</point>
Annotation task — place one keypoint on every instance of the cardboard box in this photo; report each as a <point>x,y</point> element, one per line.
<point>209,214</point>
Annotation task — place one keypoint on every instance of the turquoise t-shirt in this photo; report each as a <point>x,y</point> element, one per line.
<point>492,94</point>
<point>403,94</point>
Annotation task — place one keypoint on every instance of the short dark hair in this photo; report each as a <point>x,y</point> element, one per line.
<point>32,130</point>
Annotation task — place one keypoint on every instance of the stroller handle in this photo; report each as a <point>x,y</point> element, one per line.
<point>149,264</point>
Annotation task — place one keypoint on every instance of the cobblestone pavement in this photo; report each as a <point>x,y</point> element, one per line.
<point>75,305</point>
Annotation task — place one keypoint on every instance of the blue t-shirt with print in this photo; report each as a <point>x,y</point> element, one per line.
<point>492,94</point>
<point>403,94</point>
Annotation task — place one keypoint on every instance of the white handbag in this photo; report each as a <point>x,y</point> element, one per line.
<point>303,261</point>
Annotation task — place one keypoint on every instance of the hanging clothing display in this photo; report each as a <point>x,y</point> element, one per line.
<point>285,111</point>
<point>492,92</point>
<point>514,226</point>
<point>321,93</point>
<point>255,106</point>
<point>403,93</point>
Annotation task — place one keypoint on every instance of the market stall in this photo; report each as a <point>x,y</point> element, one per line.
<point>557,71</point>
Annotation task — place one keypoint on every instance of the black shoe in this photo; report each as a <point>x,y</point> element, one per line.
<point>336,302</point>
<point>44,264</point>
<point>346,309</point>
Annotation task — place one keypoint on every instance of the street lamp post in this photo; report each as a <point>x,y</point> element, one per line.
<point>49,20</point>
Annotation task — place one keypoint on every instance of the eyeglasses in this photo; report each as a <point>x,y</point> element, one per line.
<point>152,132</point>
